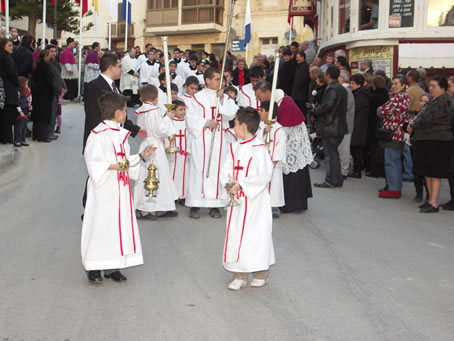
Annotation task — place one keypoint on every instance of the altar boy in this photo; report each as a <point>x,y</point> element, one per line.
<point>278,152</point>
<point>110,236</point>
<point>246,173</point>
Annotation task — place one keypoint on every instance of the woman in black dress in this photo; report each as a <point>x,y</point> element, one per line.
<point>11,87</point>
<point>42,91</point>
<point>432,136</point>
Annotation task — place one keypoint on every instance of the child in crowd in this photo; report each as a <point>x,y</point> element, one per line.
<point>151,118</point>
<point>278,151</point>
<point>24,110</point>
<point>110,235</point>
<point>246,95</point>
<point>178,161</point>
<point>174,91</point>
<point>199,73</point>
<point>246,174</point>
<point>232,92</point>
<point>177,77</point>
<point>191,86</point>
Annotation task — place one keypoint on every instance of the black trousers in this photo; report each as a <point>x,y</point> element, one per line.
<point>7,117</point>
<point>132,99</point>
<point>357,155</point>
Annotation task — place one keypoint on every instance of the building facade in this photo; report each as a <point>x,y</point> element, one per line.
<point>407,33</point>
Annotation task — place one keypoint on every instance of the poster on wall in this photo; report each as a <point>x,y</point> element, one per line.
<point>401,13</point>
<point>381,56</point>
<point>302,8</point>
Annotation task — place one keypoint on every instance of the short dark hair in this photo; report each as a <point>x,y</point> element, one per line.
<point>301,53</point>
<point>148,92</point>
<point>109,59</point>
<point>148,44</point>
<point>295,44</point>
<point>256,72</point>
<point>266,106</point>
<point>250,117</point>
<point>413,74</point>
<point>442,82</point>
<point>176,49</point>
<point>230,88</point>
<point>358,79</point>
<point>230,72</point>
<point>162,76</point>
<point>333,72</point>
<point>402,79</point>
<point>94,45</point>
<point>173,87</point>
<point>210,72</point>
<point>51,46</point>
<point>200,62</point>
<point>193,56</point>
<point>379,82</point>
<point>263,85</point>
<point>173,62</point>
<point>178,103</point>
<point>109,103</point>
<point>287,52</point>
<point>68,41</point>
<point>342,61</point>
<point>192,80</point>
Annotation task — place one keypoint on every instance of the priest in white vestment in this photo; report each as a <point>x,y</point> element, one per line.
<point>129,80</point>
<point>204,188</point>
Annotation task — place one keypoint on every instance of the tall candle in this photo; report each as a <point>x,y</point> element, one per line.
<point>273,86</point>
<point>166,61</point>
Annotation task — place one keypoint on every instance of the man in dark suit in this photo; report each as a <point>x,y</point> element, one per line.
<point>110,66</point>
<point>301,81</point>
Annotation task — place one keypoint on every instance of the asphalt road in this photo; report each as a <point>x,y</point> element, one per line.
<point>354,267</point>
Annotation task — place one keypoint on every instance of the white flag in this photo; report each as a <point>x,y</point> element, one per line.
<point>112,7</point>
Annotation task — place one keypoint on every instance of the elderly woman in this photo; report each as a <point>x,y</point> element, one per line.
<point>11,87</point>
<point>432,135</point>
<point>394,114</point>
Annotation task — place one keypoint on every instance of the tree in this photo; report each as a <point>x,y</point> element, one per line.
<point>67,14</point>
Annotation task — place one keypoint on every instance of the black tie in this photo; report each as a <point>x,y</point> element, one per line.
<point>114,88</point>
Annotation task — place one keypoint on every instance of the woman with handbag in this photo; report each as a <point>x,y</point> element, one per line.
<point>432,136</point>
<point>394,114</point>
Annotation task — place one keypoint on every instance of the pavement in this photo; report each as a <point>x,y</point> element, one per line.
<point>7,153</point>
<point>353,267</point>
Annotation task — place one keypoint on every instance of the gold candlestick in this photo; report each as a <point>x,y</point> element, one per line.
<point>151,182</point>
<point>269,124</point>
<point>172,149</point>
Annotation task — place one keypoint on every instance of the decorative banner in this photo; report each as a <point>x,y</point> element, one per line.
<point>381,56</point>
<point>302,8</point>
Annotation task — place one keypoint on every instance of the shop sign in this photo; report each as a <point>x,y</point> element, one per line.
<point>302,8</point>
<point>401,13</point>
<point>238,45</point>
<point>381,56</point>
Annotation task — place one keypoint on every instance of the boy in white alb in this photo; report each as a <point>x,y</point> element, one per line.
<point>204,188</point>
<point>278,152</point>
<point>149,71</point>
<point>178,162</point>
<point>246,95</point>
<point>110,237</point>
<point>158,126</point>
<point>246,174</point>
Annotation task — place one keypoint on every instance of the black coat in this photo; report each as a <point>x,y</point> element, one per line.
<point>23,57</point>
<point>301,83</point>
<point>10,80</point>
<point>362,108</point>
<point>236,77</point>
<point>42,92</point>
<point>378,98</point>
<point>286,76</point>
<point>332,112</point>
<point>93,90</point>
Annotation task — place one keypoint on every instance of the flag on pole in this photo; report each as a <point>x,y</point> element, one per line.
<point>290,17</point>
<point>84,6</point>
<point>53,3</point>
<point>94,4</point>
<point>113,10</point>
<point>123,11</point>
<point>3,6</point>
<point>247,23</point>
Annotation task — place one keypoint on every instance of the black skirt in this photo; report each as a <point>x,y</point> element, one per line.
<point>432,158</point>
<point>297,189</point>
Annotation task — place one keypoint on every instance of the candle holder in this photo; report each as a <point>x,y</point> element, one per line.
<point>232,202</point>
<point>269,124</point>
<point>172,149</point>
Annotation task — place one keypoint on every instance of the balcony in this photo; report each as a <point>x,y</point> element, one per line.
<point>119,29</point>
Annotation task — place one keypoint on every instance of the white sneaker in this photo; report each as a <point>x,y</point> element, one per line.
<point>258,283</point>
<point>237,284</point>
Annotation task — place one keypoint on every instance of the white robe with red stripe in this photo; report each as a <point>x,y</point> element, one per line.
<point>178,162</point>
<point>203,191</point>
<point>158,127</point>
<point>110,235</point>
<point>246,97</point>
<point>248,245</point>
<point>278,153</point>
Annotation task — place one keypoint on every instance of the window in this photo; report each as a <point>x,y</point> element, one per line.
<point>344,16</point>
<point>269,41</point>
<point>368,15</point>
<point>401,13</point>
<point>162,13</point>
<point>440,13</point>
<point>162,4</point>
<point>198,48</point>
<point>202,11</point>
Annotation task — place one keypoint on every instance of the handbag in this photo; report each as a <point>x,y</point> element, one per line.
<point>385,134</point>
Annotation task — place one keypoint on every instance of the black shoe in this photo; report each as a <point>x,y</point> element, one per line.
<point>371,175</point>
<point>169,214</point>
<point>429,209</point>
<point>94,276</point>
<point>356,175</point>
<point>141,216</point>
<point>345,177</point>
<point>383,189</point>
<point>57,131</point>
<point>17,144</point>
<point>448,206</point>
<point>115,276</point>
<point>53,138</point>
<point>215,213</point>
<point>82,217</point>
<point>45,140</point>
<point>426,204</point>
<point>275,215</point>
<point>418,197</point>
<point>324,185</point>
<point>194,213</point>
<point>24,144</point>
